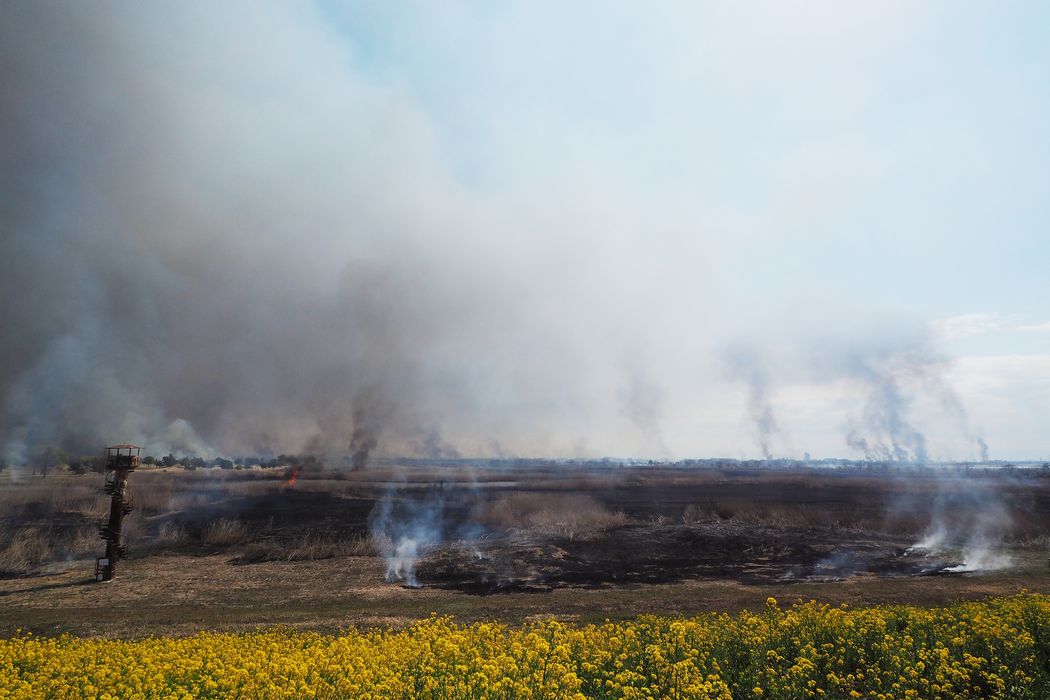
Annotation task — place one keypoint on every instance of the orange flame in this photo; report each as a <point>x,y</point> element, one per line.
<point>292,478</point>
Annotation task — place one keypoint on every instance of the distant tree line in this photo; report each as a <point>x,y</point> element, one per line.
<point>191,463</point>
<point>51,458</point>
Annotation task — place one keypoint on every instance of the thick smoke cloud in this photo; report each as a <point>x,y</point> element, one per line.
<point>222,235</point>
<point>217,238</point>
<point>163,278</point>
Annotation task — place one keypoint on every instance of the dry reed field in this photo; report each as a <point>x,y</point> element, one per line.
<point>234,549</point>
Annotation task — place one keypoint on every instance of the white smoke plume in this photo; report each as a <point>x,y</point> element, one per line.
<point>407,523</point>
<point>969,519</point>
<point>404,529</point>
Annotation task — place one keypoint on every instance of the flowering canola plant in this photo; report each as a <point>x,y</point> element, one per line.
<point>999,648</point>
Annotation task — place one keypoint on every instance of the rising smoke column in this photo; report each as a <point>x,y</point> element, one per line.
<point>889,369</point>
<point>407,523</point>
<point>891,382</point>
<point>743,364</point>
<point>969,518</point>
<point>886,416</point>
<point>877,371</point>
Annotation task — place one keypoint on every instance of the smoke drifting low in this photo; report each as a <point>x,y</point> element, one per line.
<point>969,518</point>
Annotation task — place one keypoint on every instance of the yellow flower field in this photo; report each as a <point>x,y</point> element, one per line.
<point>999,648</point>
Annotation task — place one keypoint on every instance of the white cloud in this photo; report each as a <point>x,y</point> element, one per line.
<point>978,324</point>
<point>967,325</point>
<point>1009,399</point>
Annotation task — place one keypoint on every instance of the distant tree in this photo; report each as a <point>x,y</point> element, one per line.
<point>198,463</point>
<point>77,468</point>
<point>149,459</point>
<point>222,463</point>
<point>169,460</point>
<point>51,457</point>
<point>96,464</point>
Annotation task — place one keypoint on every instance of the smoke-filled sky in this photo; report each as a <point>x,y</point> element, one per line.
<point>541,229</point>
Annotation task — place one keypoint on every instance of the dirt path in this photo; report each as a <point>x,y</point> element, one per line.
<point>184,594</point>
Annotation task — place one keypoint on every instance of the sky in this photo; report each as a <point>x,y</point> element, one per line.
<point>538,229</point>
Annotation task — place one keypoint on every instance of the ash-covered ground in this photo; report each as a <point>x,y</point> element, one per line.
<point>656,524</point>
<point>387,545</point>
<point>513,527</point>
<point>667,553</point>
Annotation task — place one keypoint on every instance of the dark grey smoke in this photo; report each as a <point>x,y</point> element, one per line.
<point>170,272</point>
<point>892,367</point>
<point>859,444</point>
<point>888,367</point>
<point>217,237</point>
<point>430,444</point>
<point>366,428</point>
<point>893,380</point>
<point>886,417</point>
<point>744,365</point>
<point>983,447</point>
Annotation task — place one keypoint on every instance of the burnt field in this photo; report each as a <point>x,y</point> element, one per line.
<point>401,540</point>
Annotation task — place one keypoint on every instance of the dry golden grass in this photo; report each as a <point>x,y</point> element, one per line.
<point>24,549</point>
<point>309,547</point>
<point>48,520</point>
<point>568,515</point>
<point>224,532</point>
<point>179,594</point>
<point>171,535</point>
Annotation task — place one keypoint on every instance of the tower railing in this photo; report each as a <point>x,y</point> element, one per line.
<point>121,460</point>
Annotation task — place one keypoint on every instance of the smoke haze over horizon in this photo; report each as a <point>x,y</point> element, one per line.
<point>524,229</point>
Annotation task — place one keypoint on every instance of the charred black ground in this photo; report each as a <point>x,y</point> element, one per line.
<point>239,548</point>
<point>750,554</point>
<point>537,527</point>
